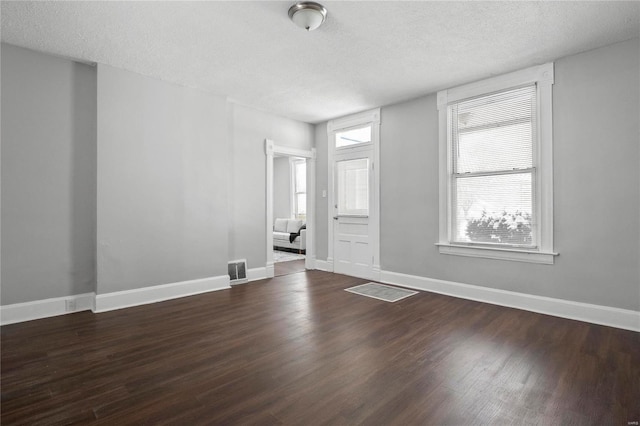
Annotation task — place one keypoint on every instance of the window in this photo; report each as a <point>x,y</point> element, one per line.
<point>351,137</point>
<point>353,187</point>
<point>491,139</point>
<point>299,204</point>
<point>496,198</point>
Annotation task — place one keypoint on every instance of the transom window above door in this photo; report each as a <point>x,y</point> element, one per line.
<point>352,137</point>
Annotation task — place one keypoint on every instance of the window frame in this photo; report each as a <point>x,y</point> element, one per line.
<point>353,145</point>
<point>294,187</point>
<point>354,212</point>
<point>543,77</point>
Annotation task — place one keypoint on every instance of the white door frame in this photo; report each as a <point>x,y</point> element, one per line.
<point>271,149</point>
<point>366,117</point>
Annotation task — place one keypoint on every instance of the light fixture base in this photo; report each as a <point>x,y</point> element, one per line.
<point>308,15</point>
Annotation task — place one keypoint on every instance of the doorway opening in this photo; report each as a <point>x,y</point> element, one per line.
<point>290,208</point>
<point>290,214</point>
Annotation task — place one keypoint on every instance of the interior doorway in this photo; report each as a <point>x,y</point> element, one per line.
<point>290,193</point>
<point>289,213</point>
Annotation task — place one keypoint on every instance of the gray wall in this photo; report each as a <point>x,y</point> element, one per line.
<point>596,189</point>
<point>322,206</point>
<point>162,188</point>
<point>281,188</point>
<point>178,177</point>
<point>249,128</point>
<point>48,176</point>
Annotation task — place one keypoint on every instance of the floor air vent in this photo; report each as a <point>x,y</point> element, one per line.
<point>238,271</point>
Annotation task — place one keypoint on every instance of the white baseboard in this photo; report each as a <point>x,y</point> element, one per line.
<point>323,265</point>
<point>270,270</point>
<point>376,271</point>
<point>255,274</point>
<point>19,312</point>
<point>596,314</point>
<point>310,262</point>
<point>145,295</point>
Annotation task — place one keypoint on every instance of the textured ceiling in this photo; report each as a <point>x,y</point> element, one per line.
<point>367,54</point>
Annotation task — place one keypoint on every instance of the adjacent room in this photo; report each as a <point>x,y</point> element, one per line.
<point>290,213</point>
<point>294,213</point>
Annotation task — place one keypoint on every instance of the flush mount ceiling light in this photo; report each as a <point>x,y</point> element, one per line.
<point>307,14</point>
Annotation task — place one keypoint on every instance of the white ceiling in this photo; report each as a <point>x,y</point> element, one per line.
<point>367,54</point>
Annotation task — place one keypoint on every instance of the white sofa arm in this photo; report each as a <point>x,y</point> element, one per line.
<point>303,239</point>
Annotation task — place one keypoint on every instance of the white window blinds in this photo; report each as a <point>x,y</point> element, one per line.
<point>300,189</point>
<point>492,170</point>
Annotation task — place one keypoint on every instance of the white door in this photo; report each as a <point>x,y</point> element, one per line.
<point>352,239</point>
<point>354,202</point>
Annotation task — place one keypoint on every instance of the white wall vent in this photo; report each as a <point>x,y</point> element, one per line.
<point>238,271</point>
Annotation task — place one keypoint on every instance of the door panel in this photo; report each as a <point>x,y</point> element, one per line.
<point>353,253</point>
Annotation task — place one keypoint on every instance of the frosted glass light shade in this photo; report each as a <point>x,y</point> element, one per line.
<point>307,15</point>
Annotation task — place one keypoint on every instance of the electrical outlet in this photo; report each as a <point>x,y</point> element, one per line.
<point>70,305</point>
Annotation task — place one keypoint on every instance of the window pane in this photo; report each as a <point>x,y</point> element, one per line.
<point>353,137</point>
<point>494,133</point>
<point>301,176</point>
<point>494,209</point>
<point>301,204</point>
<point>501,148</point>
<point>353,187</point>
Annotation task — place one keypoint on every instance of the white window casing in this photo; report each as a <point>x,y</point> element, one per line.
<point>298,187</point>
<point>540,169</point>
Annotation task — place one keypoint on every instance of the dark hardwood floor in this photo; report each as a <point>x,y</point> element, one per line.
<point>299,350</point>
<point>289,267</point>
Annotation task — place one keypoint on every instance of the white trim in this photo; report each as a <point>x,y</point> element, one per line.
<point>310,262</point>
<point>375,226</point>
<point>498,253</point>
<point>292,184</point>
<point>330,264</point>
<point>310,253</point>
<point>354,120</point>
<point>45,308</point>
<point>595,314</point>
<point>270,150</point>
<point>270,270</point>
<point>268,146</point>
<point>145,295</point>
<point>255,274</point>
<point>376,272</point>
<point>544,175</point>
<point>543,76</point>
<point>286,151</point>
<point>323,265</point>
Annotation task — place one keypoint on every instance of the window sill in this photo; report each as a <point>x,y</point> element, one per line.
<point>529,256</point>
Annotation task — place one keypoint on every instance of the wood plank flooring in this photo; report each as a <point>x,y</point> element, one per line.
<point>289,267</point>
<point>299,350</point>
